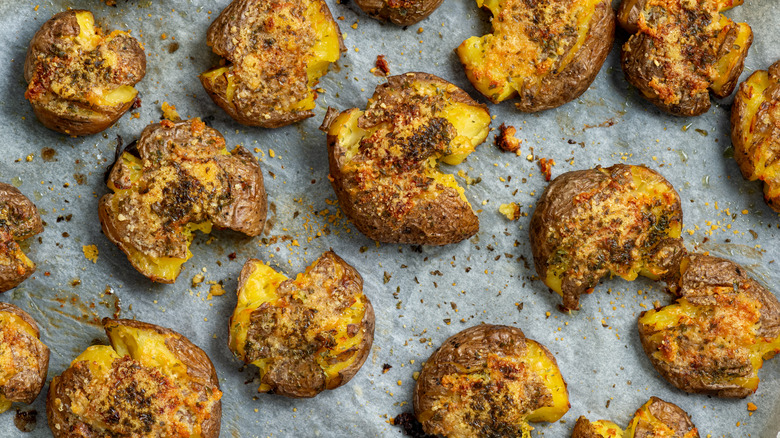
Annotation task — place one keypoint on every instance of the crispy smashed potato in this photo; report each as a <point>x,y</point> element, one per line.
<point>179,178</point>
<point>276,52</point>
<point>305,335</point>
<point>150,382</point>
<point>400,12</point>
<point>755,131</point>
<point>19,220</point>
<point>681,49</point>
<point>621,220</point>
<point>489,381</point>
<point>715,337</point>
<point>80,81</point>
<point>383,161</point>
<point>24,359</point>
<point>546,52</point>
<point>655,419</point>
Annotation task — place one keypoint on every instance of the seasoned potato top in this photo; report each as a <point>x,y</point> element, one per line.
<point>489,381</point>
<point>302,333</point>
<point>22,355</point>
<point>622,220</point>
<point>71,62</point>
<point>719,331</point>
<point>530,40</point>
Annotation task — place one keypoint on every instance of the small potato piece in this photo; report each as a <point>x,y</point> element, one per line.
<point>19,220</point>
<point>150,382</point>
<point>655,419</point>
<point>755,131</point>
<point>276,51</point>
<point>400,12</point>
<point>489,381</point>
<point>24,359</point>
<point>180,178</point>
<point>621,220</point>
<point>681,49</point>
<point>306,335</point>
<point>80,81</point>
<point>383,161</point>
<point>716,336</point>
<point>547,52</point>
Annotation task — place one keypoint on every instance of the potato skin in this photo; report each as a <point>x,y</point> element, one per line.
<point>401,13</point>
<point>664,419</point>
<point>25,385</point>
<point>442,220</point>
<point>77,116</point>
<point>699,364</point>
<point>20,220</point>
<point>745,127</point>
<point>64,424</point>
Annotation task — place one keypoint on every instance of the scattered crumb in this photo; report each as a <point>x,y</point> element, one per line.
<point>90,252</point>
<point>546,167</point>
<point>506,139</point>
<point>215,290</point>
<point>170,113</point>
<point>381,69</point>
<point>197,279</point>
<point>511,211</point>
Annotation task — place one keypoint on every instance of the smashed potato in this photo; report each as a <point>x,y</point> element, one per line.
<point>621,220</point>
<point>716,336</point>
<point>400,12</point>
<point>19,220</point>
<point>305,335</point>
<point>150,382</point>
<point>276,52</point>
<point>383,161</point>
<point>755,131</point>
<point>489,381</point>
<point>546,52</point>
<point>24,359</point>
<point>80,81</point>
<point>655,419</point>
<point>179,178</point>
<point>680,50</point>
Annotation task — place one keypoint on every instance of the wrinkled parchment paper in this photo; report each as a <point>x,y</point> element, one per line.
<point>421,295</point>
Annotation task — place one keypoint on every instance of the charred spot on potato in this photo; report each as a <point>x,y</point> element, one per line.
<point>656,418</point>
<point>622,220</point>
<point>384,160</point>
<point>715,337</point>
<point>179,178</point>
<point>150,382</point>
<point>681,50</point>
<point>19,220</point>
<point>276,53</point>
<point>399,12</point>
<point>547,53</point>
<point>489,381</point>
<point>305,335</point>
<point>80,80</point>
<point>755,131</point>
<point>24,359</point>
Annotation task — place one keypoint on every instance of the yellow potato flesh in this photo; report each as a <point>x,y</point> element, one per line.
<point>608,429</point>
<point>659,428</point>
<point>727,63</point>
<point>760,150</point>
<point>7,367</point>
<point>541,365</point>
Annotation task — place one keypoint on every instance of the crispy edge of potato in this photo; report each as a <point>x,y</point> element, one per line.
<point>9,275</point>
<point>412,12</point>
<point>368,322</point>
<point>419,229</point>
<point>31,384</point>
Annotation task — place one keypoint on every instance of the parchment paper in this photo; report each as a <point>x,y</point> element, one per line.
<point>422,295</point>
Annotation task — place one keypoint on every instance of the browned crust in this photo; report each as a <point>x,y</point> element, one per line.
<point>440,221</point>
<point>670,415</point>
<point>702,274</point>
<point>401,13</point>
<point>27,384</point>
<point>557,89</point>
<point>739,112</point>
<point>584,429</point>
<point>21,221</point>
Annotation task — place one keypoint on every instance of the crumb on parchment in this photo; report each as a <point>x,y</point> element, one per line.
<point>90,252</point>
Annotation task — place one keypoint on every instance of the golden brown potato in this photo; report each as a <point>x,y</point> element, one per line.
<point>305,335</point>
<point>150,382</point>
<point>489,381</point>
<point>680,50</point>
<point>180,178</point>
<point>80,81</point>
<point>717,335</point>
<point>755,131</point>
<point>546,52</point>
<point>656,419</point>
<point>383,161</point>
<point>19,220</point>
<point>24,359</point>
<point>276,52</point>
<point>400,12</point>
<point>621,220</point>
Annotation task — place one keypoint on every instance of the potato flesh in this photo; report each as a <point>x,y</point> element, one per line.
<point>650,422</point>
<point>506,61</point>
<point>727,63</point>
<point>13,361</point>
<point>608,429</point>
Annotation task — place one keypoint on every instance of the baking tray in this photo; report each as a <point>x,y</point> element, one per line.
<point>422,295</point>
